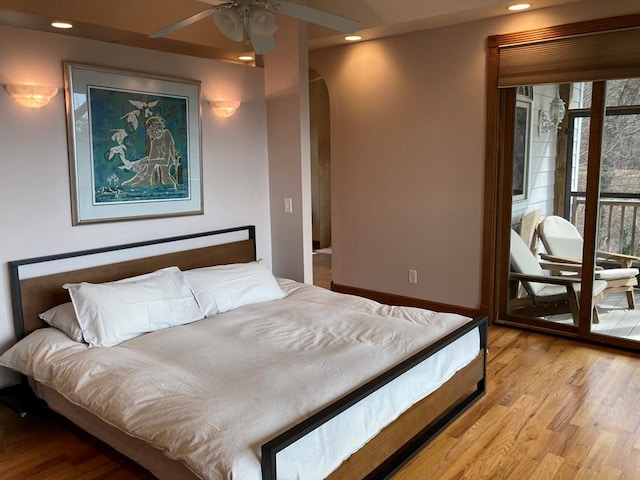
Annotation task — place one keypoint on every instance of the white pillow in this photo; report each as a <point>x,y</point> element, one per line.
<point>110,313</point>
<point>63,317</point>
<point>225,287</point>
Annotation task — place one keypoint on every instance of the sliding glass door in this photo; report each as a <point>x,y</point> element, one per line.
<point>572,155</point>
<point>561,143</point>
<point>617,220</point>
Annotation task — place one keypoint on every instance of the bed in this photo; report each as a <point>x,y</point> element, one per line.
<point>266,387</point>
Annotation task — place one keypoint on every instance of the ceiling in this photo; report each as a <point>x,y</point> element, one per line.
<point>129,22</point>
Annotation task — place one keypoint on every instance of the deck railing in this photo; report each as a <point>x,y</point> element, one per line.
<point>619,223</point>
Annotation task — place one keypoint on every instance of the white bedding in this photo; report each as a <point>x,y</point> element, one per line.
<point>210,393</point>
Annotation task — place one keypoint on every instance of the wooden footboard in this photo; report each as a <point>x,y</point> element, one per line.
<point>401,440</point>
<point>382,451</point>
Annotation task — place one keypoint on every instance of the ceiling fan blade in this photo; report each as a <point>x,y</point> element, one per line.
<point>325,19</point>
<point>183,23</point>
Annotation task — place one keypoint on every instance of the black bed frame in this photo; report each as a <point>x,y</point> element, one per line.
<point>272,447</point>
<point>14,266</point>
<point>411,448</point>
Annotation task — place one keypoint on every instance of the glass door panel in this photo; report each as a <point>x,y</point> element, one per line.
<point>543,293</point>
<point>618,222</point>
<point>581,168</point>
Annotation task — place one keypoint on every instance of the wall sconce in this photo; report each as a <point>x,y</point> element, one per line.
<point>31,96</point>
<point>552,121</point>
<point>224,108</point>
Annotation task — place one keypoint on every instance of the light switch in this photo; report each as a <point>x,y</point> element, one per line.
<point>413,276</point>
<point>288,205</point>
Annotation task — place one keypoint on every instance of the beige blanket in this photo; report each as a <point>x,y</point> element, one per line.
<point>212,392</point>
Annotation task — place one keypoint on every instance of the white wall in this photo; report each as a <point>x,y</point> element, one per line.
<point>542,160</point>
<point>407,150</point>
<point>36,213</point>
<point>287,91</point>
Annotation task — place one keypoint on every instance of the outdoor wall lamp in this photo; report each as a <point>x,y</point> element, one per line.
<point>551,121</point>
<point>224,108</point>
<point>31,96</point>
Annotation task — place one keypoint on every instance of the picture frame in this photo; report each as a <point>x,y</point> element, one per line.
<point>134,144</point>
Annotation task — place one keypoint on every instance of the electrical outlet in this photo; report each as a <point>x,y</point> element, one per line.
<point>413,276</point>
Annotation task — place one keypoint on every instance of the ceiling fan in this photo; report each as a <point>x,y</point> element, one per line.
<point>235,17</point>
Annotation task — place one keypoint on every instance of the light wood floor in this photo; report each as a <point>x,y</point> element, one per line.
<point>43,446</point>
<point>555,409</point>
<point>322,270</point>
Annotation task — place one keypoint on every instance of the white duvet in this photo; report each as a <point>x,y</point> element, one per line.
<point>212,392</point>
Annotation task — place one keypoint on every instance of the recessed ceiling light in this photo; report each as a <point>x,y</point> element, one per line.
<point>61,25</point>
<point>353,38</point>
<point>245,58</point>
<point>516,7</point>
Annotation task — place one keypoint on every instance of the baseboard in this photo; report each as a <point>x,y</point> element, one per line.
<point>392,299</point>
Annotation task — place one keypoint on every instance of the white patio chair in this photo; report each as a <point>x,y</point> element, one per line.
<point>563,243</point>
<point>546,294</point>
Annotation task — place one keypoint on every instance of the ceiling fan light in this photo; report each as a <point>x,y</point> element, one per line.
<point>230,24</point>
<point>261,23</point>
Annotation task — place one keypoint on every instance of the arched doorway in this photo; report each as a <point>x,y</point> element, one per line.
<point>320,179</point>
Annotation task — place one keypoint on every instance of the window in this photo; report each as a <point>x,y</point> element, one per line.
<point>521,135</point>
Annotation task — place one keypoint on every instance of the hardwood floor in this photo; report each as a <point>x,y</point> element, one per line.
<point>555,409</point>
<point>322,270</point>
<point>43,445</point>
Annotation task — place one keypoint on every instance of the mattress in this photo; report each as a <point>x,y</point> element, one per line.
<point>210,393</point>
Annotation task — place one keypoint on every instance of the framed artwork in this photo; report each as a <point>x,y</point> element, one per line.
<point>521,134</point>
<point>134,145</point>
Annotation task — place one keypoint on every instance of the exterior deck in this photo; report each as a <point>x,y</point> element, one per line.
<point>616,319</point>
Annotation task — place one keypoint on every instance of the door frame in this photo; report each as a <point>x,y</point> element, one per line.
<point>497,211</point>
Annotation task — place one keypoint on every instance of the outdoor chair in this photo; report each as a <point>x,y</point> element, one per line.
<point>546,294</point>
<point>563,243</point>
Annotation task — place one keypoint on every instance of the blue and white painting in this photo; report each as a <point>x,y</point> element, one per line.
<point>139,146</point>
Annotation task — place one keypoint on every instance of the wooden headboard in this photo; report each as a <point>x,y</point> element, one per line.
<point>33,295</point>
